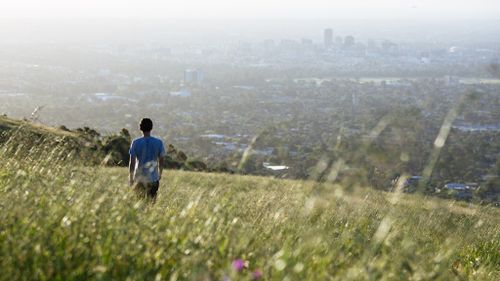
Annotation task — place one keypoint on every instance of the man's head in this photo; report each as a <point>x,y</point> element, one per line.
<point>146,125</point>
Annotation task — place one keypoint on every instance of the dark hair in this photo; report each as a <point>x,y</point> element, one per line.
<point>146,125</point>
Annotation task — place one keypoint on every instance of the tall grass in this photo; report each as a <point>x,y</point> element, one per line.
<point>61,220</point>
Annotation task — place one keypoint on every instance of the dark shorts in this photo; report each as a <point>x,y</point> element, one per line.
<point>149,189</point>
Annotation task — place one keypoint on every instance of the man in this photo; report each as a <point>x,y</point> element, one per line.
<point>146,161</point>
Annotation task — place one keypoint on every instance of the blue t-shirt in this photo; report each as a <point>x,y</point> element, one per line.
<point>147,150</point>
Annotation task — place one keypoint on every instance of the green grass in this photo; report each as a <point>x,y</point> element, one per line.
<point>87,224</point>
<point>62,221</point>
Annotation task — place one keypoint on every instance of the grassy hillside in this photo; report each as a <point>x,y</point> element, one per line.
<point>24,140</point>
<point>9,124</point>
<point>61,221</point>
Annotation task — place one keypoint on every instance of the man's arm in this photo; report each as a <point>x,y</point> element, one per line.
<point>161,162</point>
<point>131,169</point>
<point>161,158</point>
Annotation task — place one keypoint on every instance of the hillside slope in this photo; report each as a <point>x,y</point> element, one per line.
<point>23,138</point>
<point>61,220</point>
<point>8,124</point>
<point>61,223</point>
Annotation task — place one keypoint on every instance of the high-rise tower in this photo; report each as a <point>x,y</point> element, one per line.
<point>328,37</point>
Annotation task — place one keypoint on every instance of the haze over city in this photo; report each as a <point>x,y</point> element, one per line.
<point>243,9</point>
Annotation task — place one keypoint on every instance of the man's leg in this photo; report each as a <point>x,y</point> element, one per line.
<point>141,190</point>
<point>153,190</point>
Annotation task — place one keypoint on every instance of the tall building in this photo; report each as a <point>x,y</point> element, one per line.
<point>349,41</point>
<point>193,76</point>
<point>328,37</point>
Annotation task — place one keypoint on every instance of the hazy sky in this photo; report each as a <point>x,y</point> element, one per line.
<point>248,9</point>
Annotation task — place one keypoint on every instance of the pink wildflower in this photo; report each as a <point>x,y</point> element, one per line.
<point>256,275</point>
<point>238,264</point>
